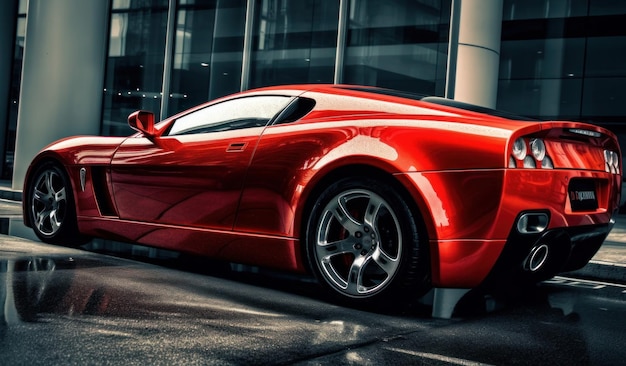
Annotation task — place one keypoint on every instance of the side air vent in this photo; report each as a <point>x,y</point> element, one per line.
<point>101,190</point>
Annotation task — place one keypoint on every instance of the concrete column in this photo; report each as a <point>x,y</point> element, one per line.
<point>62,77</point>
<point>474,55</point>
<point>8,22</point>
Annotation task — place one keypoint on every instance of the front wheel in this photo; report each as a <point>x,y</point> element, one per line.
<point>364,244</point>
<point>51,208</point>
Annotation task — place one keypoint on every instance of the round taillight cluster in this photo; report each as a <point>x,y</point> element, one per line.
<point>611,162</point>
<point>530,154</point>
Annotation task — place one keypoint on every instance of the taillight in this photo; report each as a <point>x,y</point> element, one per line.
<point>530,153</point>
<point>538,149</point>
<point>611,162</point>
<point>519,149</point>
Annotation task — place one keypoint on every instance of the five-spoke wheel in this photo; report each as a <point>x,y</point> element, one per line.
<point>49,202</point>
<point>51,207</point>
<point>363,242</point>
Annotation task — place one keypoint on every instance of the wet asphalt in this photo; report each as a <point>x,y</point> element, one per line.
<point>63,306</point>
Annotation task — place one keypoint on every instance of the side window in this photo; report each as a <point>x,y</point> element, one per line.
<point>232,114</point>
<point>296,110</point>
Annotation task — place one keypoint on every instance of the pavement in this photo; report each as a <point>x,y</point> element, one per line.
<point>609,263</point>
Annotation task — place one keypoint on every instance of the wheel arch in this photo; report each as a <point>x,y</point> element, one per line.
<point>43,158</point>
<point>323,180</point>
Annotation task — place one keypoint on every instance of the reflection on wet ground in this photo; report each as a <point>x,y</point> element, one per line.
<point>67,306</point>
<point>76,300</point>
<point>76,307</point>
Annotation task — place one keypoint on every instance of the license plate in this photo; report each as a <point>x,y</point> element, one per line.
<point>582,195</point>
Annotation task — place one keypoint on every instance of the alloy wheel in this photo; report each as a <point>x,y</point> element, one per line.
<point>358,243</point>
<point>49,202</point>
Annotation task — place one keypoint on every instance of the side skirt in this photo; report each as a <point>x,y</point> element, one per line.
<point>277,252</point>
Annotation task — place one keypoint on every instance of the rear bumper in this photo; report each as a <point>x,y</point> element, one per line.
<point>529,258</point>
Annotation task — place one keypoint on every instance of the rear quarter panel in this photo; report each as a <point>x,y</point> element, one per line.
<point>290,160</point>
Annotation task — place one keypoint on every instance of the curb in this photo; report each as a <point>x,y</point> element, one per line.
<point>10,194</point>
<point>600,271</point>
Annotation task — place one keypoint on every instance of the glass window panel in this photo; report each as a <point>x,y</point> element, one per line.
<point>541,98</point>
<point>542,58</point>
<point>121,4</point>
<point>294,42</point>
<point>134,74</point>
<point>605,56</point>
<point>563,59</point>
<point>398,44</point>
<point>208,52</point>
<point>604,97</point>
<point>543,9</point>
<point>607,7</point>
<point>230,115</point>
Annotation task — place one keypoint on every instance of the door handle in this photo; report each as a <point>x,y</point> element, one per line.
<point>237,147</point>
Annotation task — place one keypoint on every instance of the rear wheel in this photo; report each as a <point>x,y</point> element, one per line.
<point>51,208</point>
<point>364,244</point>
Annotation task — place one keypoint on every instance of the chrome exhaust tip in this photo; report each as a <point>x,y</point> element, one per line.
<point>537,258</point>
<point>532,223</point>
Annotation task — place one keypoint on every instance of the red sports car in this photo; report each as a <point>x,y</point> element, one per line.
<point>379,193</point>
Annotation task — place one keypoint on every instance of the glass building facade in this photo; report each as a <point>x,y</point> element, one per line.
<point>166,56</point>
<point>559,59</point>
<point>564,59</point>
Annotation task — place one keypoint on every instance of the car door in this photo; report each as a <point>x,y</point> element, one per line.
<point>193,174</point>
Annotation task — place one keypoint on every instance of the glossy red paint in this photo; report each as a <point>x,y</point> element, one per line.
<point>244,195</point>
<point>168,180</point>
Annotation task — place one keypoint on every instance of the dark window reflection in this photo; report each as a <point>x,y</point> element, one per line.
<point>605,97</point>
<point>208,52</point>
<point>606,56</point>
<point>14,91</point>
<point>542,58</point>
<point>563,59</point>
<point>399,44</point>
<point>606,7</point>
<point>134,74</point>
<point>542,9</point>
<point>294,42</point>
<point>544,98</point>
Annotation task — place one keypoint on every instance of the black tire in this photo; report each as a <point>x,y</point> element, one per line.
<point>365,245</point>
<point>50,206</point>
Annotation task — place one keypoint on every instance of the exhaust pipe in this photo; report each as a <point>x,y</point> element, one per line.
<point>536,258</point>
<point>532,222</point>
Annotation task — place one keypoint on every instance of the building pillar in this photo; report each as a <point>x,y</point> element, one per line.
<point>8,23</point>
<point>62,75</point>
<point>474,53</point>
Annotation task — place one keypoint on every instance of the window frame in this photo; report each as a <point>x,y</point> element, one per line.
<point>230,124</point>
